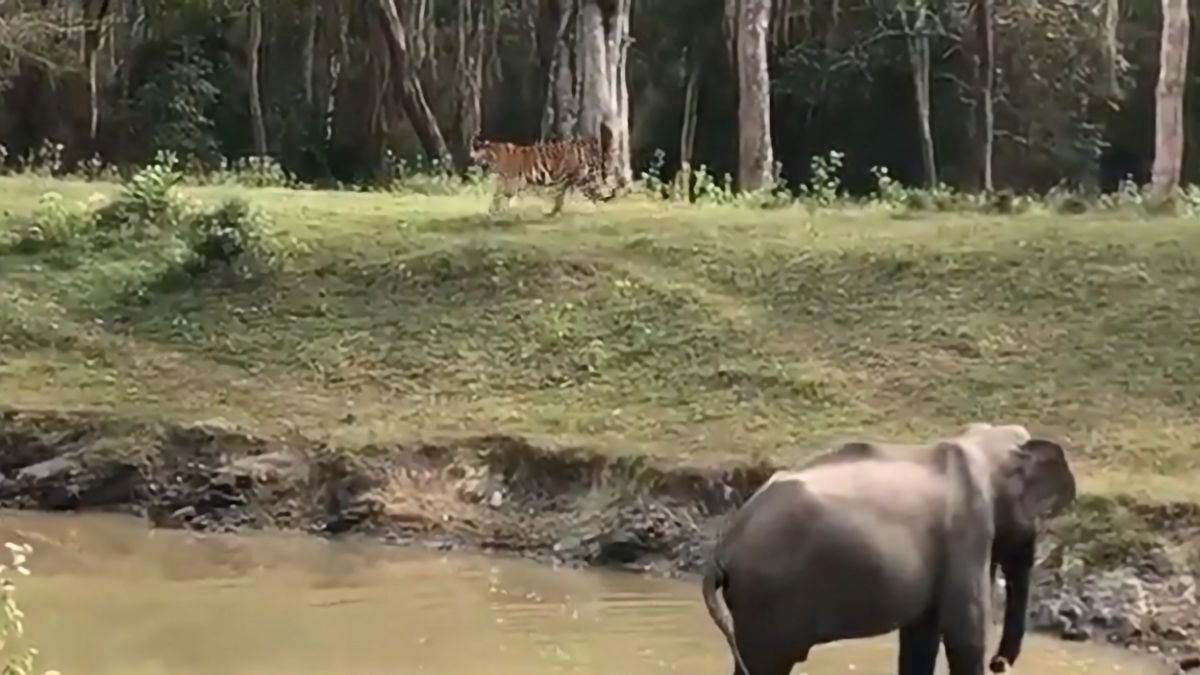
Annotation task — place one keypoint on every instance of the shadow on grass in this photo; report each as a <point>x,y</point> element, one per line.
<point>481,222</point>
<point>506,220</point>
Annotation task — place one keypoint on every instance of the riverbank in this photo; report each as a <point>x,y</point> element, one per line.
<point>704,334</point>
<point>598,388</point>
<point>1112,570</point>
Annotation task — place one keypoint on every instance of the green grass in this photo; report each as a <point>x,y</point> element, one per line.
<point>705,333</point>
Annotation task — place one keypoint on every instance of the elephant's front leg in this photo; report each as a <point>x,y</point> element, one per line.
<point>1017,565</point>
<point>964,619</point>
<point>919,644</point>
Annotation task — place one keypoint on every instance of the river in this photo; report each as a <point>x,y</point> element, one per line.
<point>109,596</point>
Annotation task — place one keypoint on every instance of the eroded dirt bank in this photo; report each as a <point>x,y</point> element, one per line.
<point>1111,570</point>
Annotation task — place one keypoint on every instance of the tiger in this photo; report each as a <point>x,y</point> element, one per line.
<point>579,163</point>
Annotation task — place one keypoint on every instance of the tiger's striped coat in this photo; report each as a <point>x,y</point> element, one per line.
<point>577,163</point>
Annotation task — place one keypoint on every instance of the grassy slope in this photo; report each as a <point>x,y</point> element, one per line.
<point>705,333</point>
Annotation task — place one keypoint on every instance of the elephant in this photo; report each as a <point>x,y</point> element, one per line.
<point>869,538</point>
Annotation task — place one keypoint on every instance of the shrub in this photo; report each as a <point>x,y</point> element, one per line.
<point>15,658</point>
<point>825,184</point>
<point>146,203</point>
<point>44,160</point>
<point>56,222</point>
<point>265,171</point>
<point>231,236</point>
<point>261,172</point>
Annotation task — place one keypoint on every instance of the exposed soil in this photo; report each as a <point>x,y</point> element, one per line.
<point>1112,571</point>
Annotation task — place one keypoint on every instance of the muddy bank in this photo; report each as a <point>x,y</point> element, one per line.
<point>1112,570</point>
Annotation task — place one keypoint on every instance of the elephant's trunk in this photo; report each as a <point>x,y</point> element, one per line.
<point>1018,568</point>
<point>714,600</point>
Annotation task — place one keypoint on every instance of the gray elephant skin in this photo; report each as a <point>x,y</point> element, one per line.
<point>870,538</point>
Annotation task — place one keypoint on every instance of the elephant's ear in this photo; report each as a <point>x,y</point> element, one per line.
<point>1049,485</point>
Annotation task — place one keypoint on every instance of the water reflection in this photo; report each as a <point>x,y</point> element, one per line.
<point>110,596</point>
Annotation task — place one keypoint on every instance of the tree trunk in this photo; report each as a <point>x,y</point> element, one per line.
<point>687,130</point>
<point>421,33</point>
<point>918,54</point>
<point>756,161</point>
<point>1112,47</point>
<point>560,109</point>
<point>468,71</point>
<point>732,9</point>
<point>93,39</point>
<point>565,84</point>
<point>253,46</point>
<point>604,96</point>
<point>354,145</point>
<point>617,49</point>
<point>1168,116</point>
<point>985,77</point>
<point>308,56</point>
<point>332,58</point>
<point>596,93</point>
<point>411,94</point>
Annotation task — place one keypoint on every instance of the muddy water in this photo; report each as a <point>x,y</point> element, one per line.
<point>110,596</point>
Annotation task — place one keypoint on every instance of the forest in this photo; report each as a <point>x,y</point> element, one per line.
<point>250,280</point>
<point>1023,95</point>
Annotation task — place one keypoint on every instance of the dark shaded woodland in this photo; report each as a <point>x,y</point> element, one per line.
<point>350,90</point>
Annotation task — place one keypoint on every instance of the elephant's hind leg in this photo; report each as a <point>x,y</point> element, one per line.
<point>919,643</point>
<point>964,658</point>
<point>760,666</point>
<point>768,654</point>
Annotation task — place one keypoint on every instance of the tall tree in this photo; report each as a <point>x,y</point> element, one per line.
<point>687,128</point>
<point>1112,48</point>
<point>1172,74</point>
<point>917,41</point>
<point>308,56</point>
<point>593,83</point>
<point>750,21</point>
<point>985,75</point>
<point>410,91</point>
<point>617,53</point>
<point>560,110</point>
<point>253,48</point>
<point>470,48</point>
<point>95,13</point>
<point>330,59</point>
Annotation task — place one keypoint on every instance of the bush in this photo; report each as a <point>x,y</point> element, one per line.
<point>146,203</point>
<point>231,237</point>
<point>261,172</point>
<point>15,658</point>
<point>189,240</point>
<point>55,223</point>
<point>265,171</point>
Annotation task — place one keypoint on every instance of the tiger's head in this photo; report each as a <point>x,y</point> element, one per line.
<point>482,151</point>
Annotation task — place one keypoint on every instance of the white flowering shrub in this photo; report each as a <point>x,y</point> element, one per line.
<point>16,658</point>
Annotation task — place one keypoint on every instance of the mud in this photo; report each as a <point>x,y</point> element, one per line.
<point>1133,584</point>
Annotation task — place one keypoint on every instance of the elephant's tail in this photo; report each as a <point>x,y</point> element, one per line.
<point>714,599</point>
